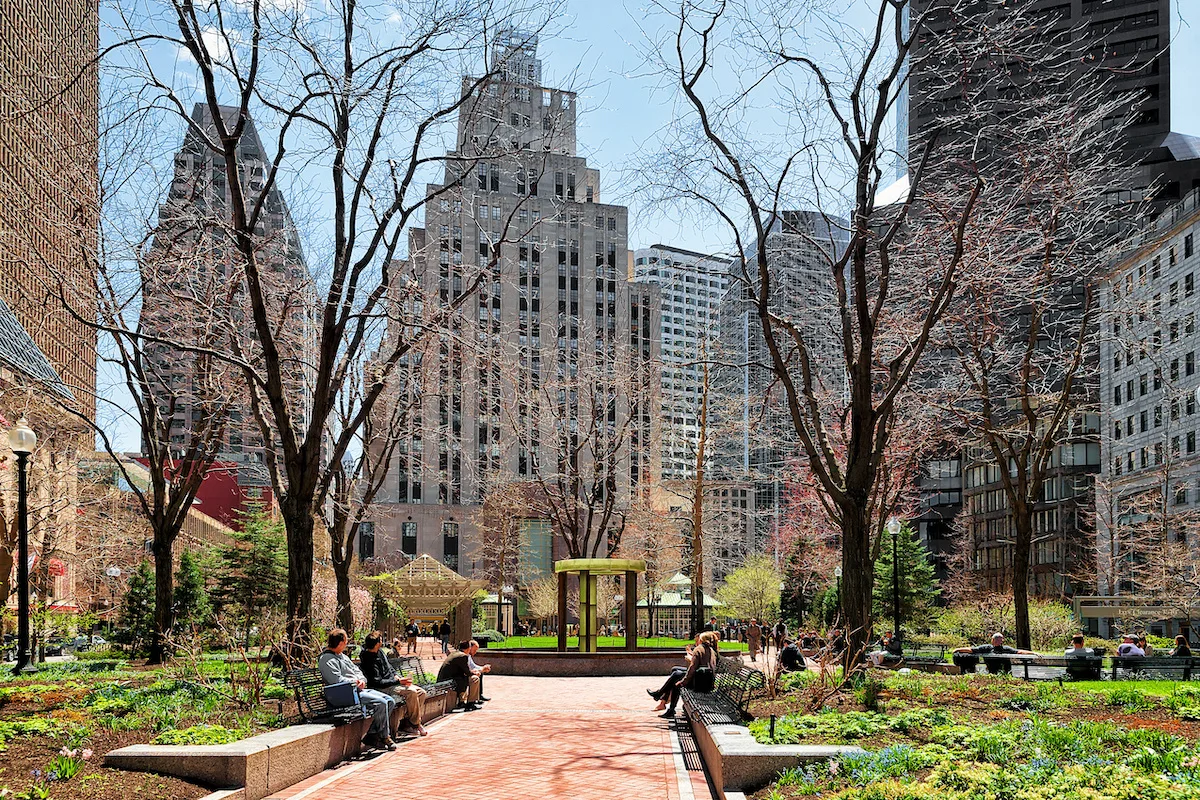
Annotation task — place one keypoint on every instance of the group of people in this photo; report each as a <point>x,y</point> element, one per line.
<point>758,636</point>
<point>412,633</point>
<point>1137,647</point>
<point>379,687</point>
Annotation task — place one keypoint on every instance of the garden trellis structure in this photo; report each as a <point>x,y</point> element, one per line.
<point>427,588</point>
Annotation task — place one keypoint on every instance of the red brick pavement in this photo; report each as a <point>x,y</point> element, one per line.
<point>539,738</point>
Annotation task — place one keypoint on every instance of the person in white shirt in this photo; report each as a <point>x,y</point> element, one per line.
<point>1129,649</point>
<point>476,669</point>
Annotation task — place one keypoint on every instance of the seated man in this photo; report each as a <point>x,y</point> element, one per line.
<point>996,648</point>
<point>1077,648</point>
<point>1129,649</point>
<point>791,659</point>
<point>457,668</point>
<point>476,669</point>
<point>381,676</point>
<point>336,667</point>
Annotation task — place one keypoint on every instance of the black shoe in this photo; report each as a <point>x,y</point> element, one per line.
<point>668,714</point>
<point>484,699</point>
<point>657,695</point>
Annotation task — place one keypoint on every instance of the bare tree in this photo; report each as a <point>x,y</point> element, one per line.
<point>896,276</point>
<point>502,540</point>
<point>361,99</point>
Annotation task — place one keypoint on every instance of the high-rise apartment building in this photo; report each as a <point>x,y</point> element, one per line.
<point>692,286</point>
<point>1149,487</point>
<point>760,444</point>
<point>48,181</point>
<point>1129,38</point>
<point>194,293</point>
<point>556,348</point>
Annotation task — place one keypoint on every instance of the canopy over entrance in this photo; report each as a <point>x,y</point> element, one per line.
<point>427,588</point>
<point>588,569</point>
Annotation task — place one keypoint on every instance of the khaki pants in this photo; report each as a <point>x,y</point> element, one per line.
<point>472,694</point>
<point>414,702</point>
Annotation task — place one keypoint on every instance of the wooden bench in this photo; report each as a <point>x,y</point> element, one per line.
<point>411,667</point>
<point>1135,667</point>
<point>729,701</point>
<point>309,688</point>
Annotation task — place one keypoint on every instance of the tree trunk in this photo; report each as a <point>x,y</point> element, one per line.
<point>1023,528</point>
<point>345,614</point>
<point>164,597</point>
<point>298,520</point>
<point>858,576</point>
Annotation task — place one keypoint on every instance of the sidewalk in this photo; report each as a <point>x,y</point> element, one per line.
<point>539,738</point>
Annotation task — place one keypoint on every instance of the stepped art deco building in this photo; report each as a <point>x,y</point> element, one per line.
<point>550,362</point>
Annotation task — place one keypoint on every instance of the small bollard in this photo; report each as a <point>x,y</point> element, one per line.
<point>772,727</point>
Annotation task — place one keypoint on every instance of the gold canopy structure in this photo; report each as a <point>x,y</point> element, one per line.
<point>425,587</point>
<point>588,569</point>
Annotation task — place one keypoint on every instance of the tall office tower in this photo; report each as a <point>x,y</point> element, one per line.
<point>555,347</point>
<point>762,444</point>
<point>692,286</point>
<point>193,292</point>
<point>1148,495</point>
<point>1131,39</point>
<point>48,181</point>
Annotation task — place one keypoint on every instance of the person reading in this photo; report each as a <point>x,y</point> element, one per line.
<point>381,676</point>
<point>701,656</point>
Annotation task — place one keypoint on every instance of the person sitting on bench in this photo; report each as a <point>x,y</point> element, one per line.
<point>996,648</point>
<point>381,676</point>
<point>1077,648</point>
<point>336,667</point>
<point>791,659</point>
<point>457,668</point>
<point>703,654</point>
<point>1182,650</point>
<point>1128,648</point>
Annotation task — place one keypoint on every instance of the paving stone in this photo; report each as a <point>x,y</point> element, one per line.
<point>538,739</point>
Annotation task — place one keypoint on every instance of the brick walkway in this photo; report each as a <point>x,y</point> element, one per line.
<point>539,738</point>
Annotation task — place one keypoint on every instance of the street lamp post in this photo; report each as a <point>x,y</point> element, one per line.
<point>837,573</point>
<point>22,440</point>
<point>893,527</point>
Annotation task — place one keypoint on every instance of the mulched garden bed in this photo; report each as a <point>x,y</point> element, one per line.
<point>24,755</point>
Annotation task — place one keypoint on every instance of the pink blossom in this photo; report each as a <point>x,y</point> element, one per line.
<point>87,753</point>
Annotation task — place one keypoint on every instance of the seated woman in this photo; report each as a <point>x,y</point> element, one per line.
<point>1182,649</point>
<point>702,654</point>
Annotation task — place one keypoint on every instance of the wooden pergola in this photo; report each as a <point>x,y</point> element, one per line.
<point>588,569</point>
<point>427,588</point>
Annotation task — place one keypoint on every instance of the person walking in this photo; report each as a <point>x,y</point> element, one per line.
<point>444,633</point>
<point>754,635</point>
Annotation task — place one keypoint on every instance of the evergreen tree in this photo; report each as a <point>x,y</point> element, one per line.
<point>136,618</point>
<point>918,588</point>
<point>252,575</point>
<point>192,607</point>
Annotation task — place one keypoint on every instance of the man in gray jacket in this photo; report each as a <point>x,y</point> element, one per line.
<point>336,667</point>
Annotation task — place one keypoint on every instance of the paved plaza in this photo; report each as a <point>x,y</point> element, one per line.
<point>540,738</point>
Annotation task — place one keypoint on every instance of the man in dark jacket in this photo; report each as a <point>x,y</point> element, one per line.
<point>457,668</point>
<point>444,634</point>
<point>381,676</point>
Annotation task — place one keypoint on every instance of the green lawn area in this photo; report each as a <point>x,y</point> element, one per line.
<point>550,642</point>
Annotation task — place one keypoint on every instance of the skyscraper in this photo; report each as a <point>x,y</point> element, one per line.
<point>193,289</point>
<point>554,334</point>
<point>1128,38</point>
<point>48,181</point>
<point>802,246</point>
<point>692,285</point>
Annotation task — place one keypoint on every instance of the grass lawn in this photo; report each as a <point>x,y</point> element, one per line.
<point>550,642</point>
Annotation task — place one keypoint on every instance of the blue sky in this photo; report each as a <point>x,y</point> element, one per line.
<point>621,111</point>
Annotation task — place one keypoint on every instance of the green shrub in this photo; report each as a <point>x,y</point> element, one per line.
<point>488,637</point>
<point>200,734</point>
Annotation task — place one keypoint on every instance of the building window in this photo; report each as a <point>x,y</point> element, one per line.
<point>450,545</point>
<point>366,540</point>
<point>408,539</point>
<point>1187,245</point>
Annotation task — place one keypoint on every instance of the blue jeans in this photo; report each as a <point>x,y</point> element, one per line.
<point>379,706</point>
<point>445,645</point>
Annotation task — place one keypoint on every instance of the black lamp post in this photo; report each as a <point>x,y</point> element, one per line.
<point>22,440</point>
<point>893,527</point>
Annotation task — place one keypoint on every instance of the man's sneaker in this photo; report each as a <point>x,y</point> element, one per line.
<point>484,699</point>
<point>388,744</point>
